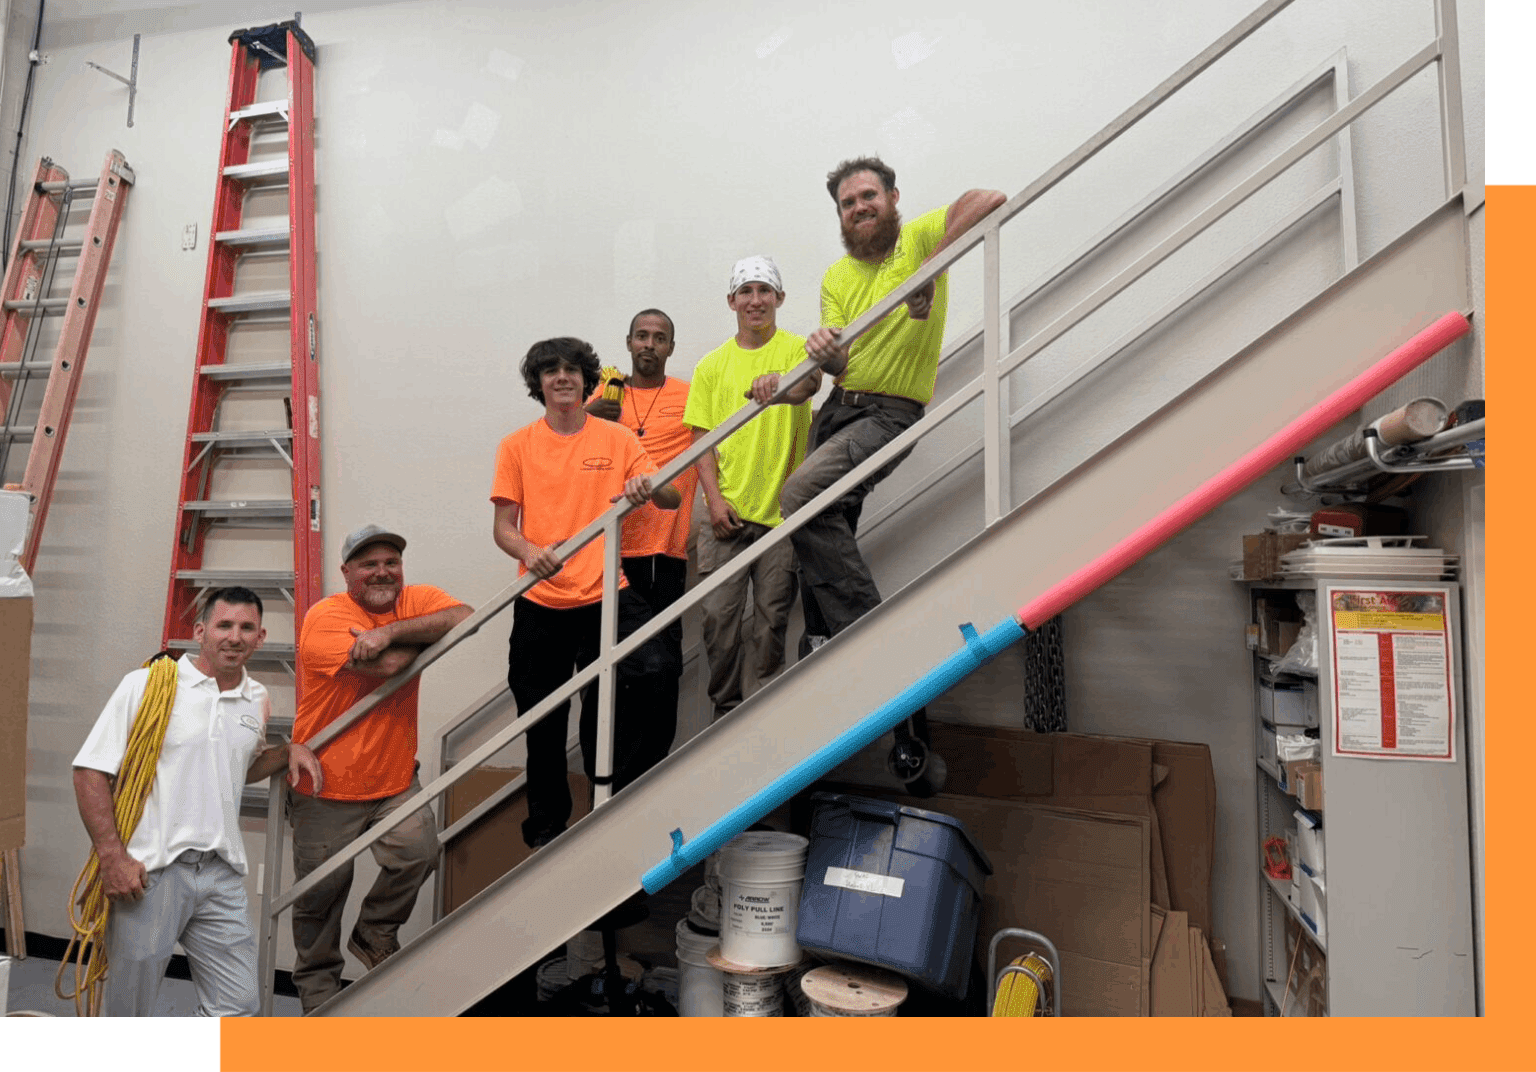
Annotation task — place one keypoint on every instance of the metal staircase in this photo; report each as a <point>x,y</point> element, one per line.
<point>1024,549</point>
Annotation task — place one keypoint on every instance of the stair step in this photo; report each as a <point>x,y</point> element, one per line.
<point>246,578</point>
<point>274,301</point>
<point>260,173</point>
<point>262,110</point>
<point>254,237</point>
<point>244,439</point>
<point>268,653</point>
<point>240,508</point>
<point>276,371</point>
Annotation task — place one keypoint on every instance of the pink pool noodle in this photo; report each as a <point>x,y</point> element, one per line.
<point>1245,470</point>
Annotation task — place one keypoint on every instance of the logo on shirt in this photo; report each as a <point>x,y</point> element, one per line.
<point>251,722</point>
<point>671,411</point>
<point>597,465</point>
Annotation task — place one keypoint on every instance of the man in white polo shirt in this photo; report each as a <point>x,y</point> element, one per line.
<point>181,875</point>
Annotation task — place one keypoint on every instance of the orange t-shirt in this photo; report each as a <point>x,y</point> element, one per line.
<point>650,530</point>
<point>561,484</point>
<point>376,757</point>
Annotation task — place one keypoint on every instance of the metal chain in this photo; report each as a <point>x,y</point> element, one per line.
<point>1045,695</point>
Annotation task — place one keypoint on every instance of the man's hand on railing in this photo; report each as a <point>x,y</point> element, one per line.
<point>541,562</point>
<point>920,304</point>
<point>369,645</point>
<point>764,388</point>
<point>822,347</point>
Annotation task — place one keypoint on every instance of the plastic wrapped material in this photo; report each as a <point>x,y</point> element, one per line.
<point>1302,656</point>
<point>15,508</point>
<point>1290,747</point>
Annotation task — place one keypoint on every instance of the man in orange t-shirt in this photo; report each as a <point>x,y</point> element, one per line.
<point>655,551</point>
<point>553,478</point>
<point>349,643</point>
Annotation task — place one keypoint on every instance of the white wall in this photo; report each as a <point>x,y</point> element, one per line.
<point>492,174</point>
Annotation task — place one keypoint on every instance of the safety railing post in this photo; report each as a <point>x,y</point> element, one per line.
<point>995,433</point>
<point>271,882</point>
<point>606,679</point>
<point>1452,133</point>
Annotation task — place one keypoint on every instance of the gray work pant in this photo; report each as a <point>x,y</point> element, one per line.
<point>199,901</point>
<point>835,573</point>
<point>772,578</point>
<point>406,856</point>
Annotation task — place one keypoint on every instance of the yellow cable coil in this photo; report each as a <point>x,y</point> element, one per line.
<point>1017,995</point>
<point>88,946</point>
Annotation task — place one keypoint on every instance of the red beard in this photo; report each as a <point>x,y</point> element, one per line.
<point>878,243</point>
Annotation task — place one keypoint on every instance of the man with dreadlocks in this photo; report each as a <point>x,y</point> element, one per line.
<point>180,877</point>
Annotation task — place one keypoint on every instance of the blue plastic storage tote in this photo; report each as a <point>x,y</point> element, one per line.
<point>895,886</point>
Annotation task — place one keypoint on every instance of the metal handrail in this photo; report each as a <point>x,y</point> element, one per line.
<point>988,231</point>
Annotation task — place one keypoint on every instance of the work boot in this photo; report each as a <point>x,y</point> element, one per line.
<point>374,953</point>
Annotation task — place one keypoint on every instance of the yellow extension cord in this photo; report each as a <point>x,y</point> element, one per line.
<point>88,946</point>
<point>1017,995</point>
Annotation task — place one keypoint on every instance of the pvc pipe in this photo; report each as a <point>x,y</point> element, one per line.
<point>978,650</point>
<point>1237,476</point>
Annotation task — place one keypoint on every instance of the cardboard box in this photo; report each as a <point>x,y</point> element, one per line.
<point>1080,878</point>
<point>1261,553</point>
<point>1101,773</point>
<point>1068,770</point>
<point>15,669</point>
<point>1307,777</point>
<point>494,845</point>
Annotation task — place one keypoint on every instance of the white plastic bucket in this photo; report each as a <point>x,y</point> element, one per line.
<point>853,990</point>
<point>551,978</point>
<point>705,908</point>
<point>760,876</point>
<point>700,985</point>
<point>583,954</point>
<point>753,995</point>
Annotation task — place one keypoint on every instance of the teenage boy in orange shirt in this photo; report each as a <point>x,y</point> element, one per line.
<point>554,477</point>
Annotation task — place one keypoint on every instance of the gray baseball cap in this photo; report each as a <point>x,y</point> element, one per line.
<point>370,534</point>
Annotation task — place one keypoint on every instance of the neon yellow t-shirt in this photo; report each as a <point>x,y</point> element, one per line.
<point>758,458</point>
<point>899,355</point>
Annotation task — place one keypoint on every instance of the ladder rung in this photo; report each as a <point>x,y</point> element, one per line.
<point>268,653</point>
<point>240,508</point>
<point>37,245</point>
<point>268,302</point>
<point>18,432</point>
<point>264,171</point>
<point>205,578</point>
<point>255,236</point>
<point>275,109</point>
<point>9,370</point>
<point>253,371</point>
<point>77,185</point>
<point>47,306</point>
<point>243,439</point>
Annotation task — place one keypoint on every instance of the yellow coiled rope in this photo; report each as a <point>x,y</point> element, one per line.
<point>88,946</point>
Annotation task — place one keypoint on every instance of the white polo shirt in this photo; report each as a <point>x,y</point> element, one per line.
<point>212,735</point>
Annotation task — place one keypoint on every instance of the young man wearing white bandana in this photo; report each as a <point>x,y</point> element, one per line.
<point>742,479</point>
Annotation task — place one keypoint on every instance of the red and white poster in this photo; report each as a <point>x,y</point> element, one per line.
<point>1392,689</point>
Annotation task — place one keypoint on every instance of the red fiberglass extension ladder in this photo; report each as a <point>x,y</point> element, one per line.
<point>30,303</point>
<point>242,244</point>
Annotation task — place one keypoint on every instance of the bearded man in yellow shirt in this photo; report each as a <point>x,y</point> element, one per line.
<point>883,381</point>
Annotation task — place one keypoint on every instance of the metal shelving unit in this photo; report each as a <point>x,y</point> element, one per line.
<point>1397,859</point>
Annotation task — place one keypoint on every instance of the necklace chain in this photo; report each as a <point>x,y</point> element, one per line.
<point>639,420</point>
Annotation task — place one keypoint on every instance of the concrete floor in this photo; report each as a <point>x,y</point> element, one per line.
<point>31,990</point>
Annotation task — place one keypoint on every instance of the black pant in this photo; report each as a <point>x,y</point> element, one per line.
<point>545,648</point>
<point>660,580</point>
